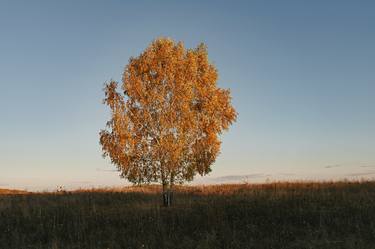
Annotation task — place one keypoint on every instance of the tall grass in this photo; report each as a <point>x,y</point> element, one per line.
<point>275,215</point>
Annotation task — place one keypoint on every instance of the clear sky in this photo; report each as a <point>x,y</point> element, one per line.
<point>302,76</point>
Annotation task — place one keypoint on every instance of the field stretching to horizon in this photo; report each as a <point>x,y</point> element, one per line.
<point>271,215</point>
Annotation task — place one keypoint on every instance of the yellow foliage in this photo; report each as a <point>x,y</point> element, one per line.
<point>165,126</point>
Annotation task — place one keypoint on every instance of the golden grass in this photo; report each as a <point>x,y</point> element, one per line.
<point>211,189</point>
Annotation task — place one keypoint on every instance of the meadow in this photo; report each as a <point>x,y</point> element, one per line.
<point>273,215</point>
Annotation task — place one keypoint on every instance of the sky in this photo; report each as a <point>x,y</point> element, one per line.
<point>301,74</point>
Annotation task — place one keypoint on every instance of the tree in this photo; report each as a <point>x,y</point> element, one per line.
<point>166,121</point>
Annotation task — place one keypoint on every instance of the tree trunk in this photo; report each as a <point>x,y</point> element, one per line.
<point>167,196</point>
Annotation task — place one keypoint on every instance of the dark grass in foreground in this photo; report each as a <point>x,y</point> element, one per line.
<point>280,215</point>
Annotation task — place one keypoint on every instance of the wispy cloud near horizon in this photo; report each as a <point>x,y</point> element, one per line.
<point>362,173</point>
<point>333,166</point>
<point>106,170</point>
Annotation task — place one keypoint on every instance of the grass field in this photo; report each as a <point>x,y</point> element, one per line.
<point>274,215</point>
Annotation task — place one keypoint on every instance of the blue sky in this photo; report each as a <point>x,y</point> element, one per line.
<point>302,76</point>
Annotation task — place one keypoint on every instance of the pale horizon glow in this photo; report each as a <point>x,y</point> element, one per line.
<point>301,75</point>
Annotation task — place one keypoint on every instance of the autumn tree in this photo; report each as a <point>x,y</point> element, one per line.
<point>166,121</point>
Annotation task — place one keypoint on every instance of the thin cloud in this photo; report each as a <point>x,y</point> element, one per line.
<point>367,166</point>
<point>233,178</point>
<point>333,166</point>
<point>362,173</point>
<point>106,170</point>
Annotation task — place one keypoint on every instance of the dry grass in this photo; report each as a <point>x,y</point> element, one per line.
<point>274,215</point>
<point>224,189</point>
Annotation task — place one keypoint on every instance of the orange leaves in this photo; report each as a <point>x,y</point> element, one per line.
<point>166,128</point>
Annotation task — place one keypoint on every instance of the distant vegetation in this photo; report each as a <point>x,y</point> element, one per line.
<point>274,215</point>
<point>11,192</point>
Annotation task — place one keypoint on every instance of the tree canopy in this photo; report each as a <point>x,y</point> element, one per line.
<point>167,117</point>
